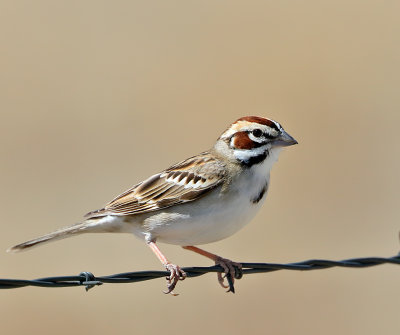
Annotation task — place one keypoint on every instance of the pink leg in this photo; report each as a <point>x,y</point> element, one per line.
<point>232,269</point>
<point>176,273</point>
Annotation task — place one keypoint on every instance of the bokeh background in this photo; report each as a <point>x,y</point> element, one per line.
<point>96,95</point>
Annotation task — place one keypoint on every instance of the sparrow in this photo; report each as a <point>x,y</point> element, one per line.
<point>200,200</point>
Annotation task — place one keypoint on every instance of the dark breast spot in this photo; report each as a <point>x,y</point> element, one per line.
<point>260,195</point>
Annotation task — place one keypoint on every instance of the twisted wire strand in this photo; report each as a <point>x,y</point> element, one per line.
<point>88,280</point>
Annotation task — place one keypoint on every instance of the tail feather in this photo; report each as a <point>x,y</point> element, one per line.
<point>57,235</point>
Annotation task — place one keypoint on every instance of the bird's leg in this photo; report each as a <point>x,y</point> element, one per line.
<point>176,273</point>
<point>232,270</point>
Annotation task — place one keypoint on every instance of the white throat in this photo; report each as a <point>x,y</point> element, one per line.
<point>271,159</point>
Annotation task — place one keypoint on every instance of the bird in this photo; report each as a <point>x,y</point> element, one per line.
<point>202,199</point>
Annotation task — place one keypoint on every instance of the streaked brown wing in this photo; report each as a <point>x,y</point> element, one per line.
<point>182,182</point>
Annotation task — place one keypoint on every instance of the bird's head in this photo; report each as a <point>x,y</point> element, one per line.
<point>251,139</point>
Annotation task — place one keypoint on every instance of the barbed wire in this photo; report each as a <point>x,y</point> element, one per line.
<point>88,280</point>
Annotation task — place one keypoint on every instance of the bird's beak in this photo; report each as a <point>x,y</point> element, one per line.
<point>284,140</point>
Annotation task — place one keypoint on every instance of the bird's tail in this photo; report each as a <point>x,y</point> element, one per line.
<point>78,228</point>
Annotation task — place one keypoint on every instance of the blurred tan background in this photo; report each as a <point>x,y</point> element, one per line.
<point>96,95</point>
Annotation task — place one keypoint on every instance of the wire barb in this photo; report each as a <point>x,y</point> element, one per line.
<point>88,280</point>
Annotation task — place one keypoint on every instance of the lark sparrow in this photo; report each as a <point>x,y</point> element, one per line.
<point>200,200</point>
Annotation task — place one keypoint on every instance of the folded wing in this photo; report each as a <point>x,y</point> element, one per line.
<point>181,183</point>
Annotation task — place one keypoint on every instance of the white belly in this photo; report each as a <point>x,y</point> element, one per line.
<point>209,219</point>
<point>194,224</point>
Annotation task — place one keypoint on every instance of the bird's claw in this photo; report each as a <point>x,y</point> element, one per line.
<point>176,274</point>
<point>232,271</point>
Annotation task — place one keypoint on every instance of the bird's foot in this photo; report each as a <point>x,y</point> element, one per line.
<point>176,274</point>
<point>232,271</point>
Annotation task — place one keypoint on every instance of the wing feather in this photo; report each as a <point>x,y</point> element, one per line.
<point>181,183</point>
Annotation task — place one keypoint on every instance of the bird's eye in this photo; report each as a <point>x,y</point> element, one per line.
<point>257,132</point>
